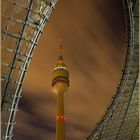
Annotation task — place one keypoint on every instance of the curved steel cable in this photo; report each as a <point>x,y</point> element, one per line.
<point>126,87</point>
<point>15,96</point>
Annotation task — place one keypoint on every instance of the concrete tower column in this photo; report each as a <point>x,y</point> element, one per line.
<point>60,119</point>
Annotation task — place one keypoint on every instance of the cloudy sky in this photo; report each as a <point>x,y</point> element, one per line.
<point>94,51</point>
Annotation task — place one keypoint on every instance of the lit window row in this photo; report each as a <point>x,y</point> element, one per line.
<point>64,68</point>
<point>60,79</point>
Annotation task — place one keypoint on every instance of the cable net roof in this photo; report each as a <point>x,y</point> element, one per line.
<point>121,120</point>
<point>22,24</point>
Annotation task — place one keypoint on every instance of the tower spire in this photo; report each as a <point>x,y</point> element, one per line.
<point>60,50</point>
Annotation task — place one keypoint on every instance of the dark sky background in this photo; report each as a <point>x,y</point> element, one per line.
<point>94,51</point>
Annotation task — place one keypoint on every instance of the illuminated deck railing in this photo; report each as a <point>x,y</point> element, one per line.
<point>22,24</point>
<point>121,120</point>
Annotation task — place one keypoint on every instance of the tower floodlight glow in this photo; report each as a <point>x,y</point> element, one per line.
<point>60,84</point>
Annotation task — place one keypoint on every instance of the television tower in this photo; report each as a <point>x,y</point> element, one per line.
<point>60,84</point>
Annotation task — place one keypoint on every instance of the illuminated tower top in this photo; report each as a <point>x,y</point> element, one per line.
<point>60,75</point>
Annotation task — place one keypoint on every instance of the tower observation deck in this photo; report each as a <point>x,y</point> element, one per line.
<point>23,22</point>
<point>121,120</point>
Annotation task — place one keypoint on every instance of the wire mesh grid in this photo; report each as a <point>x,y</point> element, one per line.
<point>22,24</point>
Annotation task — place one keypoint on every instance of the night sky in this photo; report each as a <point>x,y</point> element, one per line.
<point>94,51</point>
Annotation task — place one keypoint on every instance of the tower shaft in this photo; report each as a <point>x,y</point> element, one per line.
<point>60,124</point>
